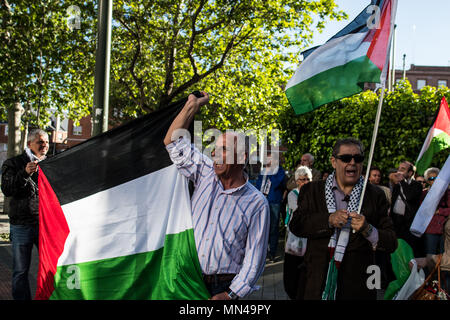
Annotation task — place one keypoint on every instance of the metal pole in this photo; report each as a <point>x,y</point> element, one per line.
<point>102,67</point>
<point>404,66</point>
<point>372,146</point>
<point>393,59</point>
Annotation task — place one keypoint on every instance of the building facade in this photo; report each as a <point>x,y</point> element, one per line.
<point>421,76</point>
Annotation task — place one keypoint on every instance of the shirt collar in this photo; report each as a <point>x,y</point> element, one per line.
<point>31,155</point>
<point>233,190</point>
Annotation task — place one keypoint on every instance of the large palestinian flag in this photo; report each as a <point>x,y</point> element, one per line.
<point>357,54</point>
<point>438,138</point>
<point>115,219</point>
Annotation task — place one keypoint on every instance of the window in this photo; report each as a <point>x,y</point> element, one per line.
<point>77,130</point>
<point>442,83</point>
<point>6,130</point>
<point>421,83</point>
<point>3,147</point>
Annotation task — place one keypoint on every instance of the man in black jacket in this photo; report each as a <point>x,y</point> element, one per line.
<point>20,182</point>
<point>327,215</point>
<point>406,193</point>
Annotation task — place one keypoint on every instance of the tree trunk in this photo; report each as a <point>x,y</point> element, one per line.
<point>14,136</point>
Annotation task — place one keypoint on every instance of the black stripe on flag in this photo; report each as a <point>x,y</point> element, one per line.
<point>358,25</point>
<point>112,158</point>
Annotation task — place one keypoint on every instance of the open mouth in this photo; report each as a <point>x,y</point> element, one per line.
<point>351,172</point>
<point>218,166</point>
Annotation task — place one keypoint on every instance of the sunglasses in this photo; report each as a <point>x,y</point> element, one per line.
<point>348,157</point>
<point>432,178</point>
<point>302,179</point>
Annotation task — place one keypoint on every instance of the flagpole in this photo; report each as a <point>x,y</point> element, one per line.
<point>372,147</point>
<point>378,116</point>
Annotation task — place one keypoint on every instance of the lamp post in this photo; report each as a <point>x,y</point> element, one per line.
<point>102,67</point>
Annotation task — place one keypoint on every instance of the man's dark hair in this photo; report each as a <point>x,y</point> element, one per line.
<point>346,142</point>
<point>374,168</point>
<point>411,168</point>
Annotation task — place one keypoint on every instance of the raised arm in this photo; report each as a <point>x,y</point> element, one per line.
<point>186,115</point>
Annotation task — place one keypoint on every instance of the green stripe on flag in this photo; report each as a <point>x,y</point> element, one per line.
<point>438,143</point>
<point>333,84</point>
<point>162,274</point>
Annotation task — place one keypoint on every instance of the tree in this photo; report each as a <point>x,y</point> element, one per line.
<point>238,50</point>
<point>45,64</point>
<point>405,120</point>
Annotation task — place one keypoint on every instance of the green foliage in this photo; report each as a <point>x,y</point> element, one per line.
<point>237,50</point>
<point>405,120</point>
<point>46,65</point>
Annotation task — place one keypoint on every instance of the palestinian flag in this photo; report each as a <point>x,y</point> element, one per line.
<point>115,219</point>
<point>438,138</point>
<point>339,68</point>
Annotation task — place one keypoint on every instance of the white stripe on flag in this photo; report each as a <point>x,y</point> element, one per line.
<point>433,132</point>
<point>130,218</point>
<point>431,201</point>
<point>332,54</point>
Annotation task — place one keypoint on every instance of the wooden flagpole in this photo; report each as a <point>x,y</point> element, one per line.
<point>378,116</point>
<point>372,146</point>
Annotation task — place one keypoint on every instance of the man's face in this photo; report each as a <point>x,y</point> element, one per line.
<point>306,161</point>
<point>375,177</point>
<point>403,168</point>
<point>422,181</point>
<point>39,145</point>
<point>225,156</point>
<point>347,174</point>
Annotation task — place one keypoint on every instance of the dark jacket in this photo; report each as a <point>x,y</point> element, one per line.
<point>16,183</point>
<point>310,220</point>
<point>413,193</point>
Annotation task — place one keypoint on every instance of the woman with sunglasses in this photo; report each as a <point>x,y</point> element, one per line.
<point>433,239</point>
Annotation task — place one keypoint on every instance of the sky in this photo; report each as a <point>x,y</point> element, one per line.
<point>423,30</point>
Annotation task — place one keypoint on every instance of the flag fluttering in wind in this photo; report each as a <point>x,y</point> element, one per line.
<point>428,207</point>
<point>115,219</point>
<point>438,138</point>
<point>357,54</point>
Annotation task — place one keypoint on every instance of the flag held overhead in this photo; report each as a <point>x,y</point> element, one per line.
<point>438,138</point>
<point>339,68</point>
<point>115,219</point>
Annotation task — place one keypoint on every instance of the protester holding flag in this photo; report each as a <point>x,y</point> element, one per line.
<point>230,216</point>
<point>20,182</point>
<point>326,215</point>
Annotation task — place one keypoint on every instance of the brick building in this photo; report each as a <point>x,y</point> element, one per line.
<point>421,76</point>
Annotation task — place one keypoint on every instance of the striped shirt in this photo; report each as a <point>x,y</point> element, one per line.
<point>231,227</point>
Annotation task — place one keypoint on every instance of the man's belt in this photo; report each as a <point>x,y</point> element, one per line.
<point>214,278</point>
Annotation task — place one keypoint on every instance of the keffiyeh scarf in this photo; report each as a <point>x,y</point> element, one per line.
<point>339,239</point>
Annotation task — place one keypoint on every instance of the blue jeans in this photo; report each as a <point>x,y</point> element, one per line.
<point>274,227</point>
<point>23,237</point>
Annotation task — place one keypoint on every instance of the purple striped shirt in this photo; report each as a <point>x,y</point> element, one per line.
<point>231,227</point>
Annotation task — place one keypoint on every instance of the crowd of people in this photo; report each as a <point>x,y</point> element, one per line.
<point>239,216</point>
<point>387,214</point>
